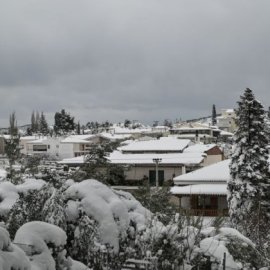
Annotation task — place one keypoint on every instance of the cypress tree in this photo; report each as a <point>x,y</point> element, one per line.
<point>33,122</point>
<point>214,115</point>
<point>37,122</point>
<point>12,148</point>
<point>43,125</point>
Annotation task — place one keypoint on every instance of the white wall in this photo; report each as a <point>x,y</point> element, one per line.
<point>138,172</point>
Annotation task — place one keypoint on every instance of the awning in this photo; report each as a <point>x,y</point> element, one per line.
<point>203,189</point>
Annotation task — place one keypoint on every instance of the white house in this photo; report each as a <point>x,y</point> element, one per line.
<point>196,132</point>
<point>142,165</point>
<point>77,145</point>
<point>204,191</point>
<point>166,156</point>
<point>41,146</point>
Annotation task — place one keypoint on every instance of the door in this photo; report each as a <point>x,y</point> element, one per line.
<point>152,177</point>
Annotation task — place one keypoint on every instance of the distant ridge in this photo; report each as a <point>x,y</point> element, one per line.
<point>23,127</point>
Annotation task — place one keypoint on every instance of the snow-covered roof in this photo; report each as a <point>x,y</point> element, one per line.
<point>28,138</point>
<point>113,137</point>
<point>78,138</point>
<point>175,158</point>
<point>218,172</point>
<point>199,148</point>
<point>163,144</point>
<point>5,136</point>
<point>76,160</point>
<point>192,136</point>
<point>225,133</point>
<point>40,140</point>
<point>118,158</point>
<point>203,189</point>
<point>191,128</point>
<point>122,130</point>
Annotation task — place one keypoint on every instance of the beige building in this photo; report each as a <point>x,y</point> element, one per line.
<point>226,121</point>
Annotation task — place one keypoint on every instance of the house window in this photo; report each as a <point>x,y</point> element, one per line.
<point>40,148</point>
<point>49,146</point>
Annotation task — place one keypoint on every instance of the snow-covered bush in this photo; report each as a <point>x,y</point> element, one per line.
<point>45,245</point>
<point>105,228</point>
<point>11,256</point>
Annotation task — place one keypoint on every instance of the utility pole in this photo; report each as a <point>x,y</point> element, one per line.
<point>157,161</point>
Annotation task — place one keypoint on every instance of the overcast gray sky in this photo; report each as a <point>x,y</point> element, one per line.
<point>138,59</point>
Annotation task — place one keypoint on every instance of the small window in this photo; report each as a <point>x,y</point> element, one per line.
<point>49,146</point>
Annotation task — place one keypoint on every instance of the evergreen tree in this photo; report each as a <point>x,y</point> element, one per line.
<point>127,123</point>
<point>43,125</point>
<point>214,115</point>
<point>78,128</point>
<point>63,123</point>
<point>12,148</point>
<point>97,166</point>
<point>249,186</point>
<point>33,122</point>
<point>37,122</point>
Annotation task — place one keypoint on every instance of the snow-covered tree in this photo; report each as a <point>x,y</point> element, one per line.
<point>28,207</point>
<point>54,212</point>
<point>83,242</point>
<point>249,186</point>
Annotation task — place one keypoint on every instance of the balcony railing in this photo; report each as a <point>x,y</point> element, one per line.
<point>205,212</point>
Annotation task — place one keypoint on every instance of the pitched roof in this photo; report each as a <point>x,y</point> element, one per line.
<point>163,144</point>
<point>78,138</point>
<point>175,158</point>
<point>219,172</point>
<point>199,148</point>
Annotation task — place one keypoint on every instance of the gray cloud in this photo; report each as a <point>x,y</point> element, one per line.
<point>137,59</point>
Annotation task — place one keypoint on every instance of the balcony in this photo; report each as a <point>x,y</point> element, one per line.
<point>205,212</point>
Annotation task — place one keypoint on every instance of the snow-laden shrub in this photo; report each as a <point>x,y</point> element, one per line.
<point>45,245</point>
<point>8,197</point>
<point>113,213</point>
<point>240,252</point>
<point>11,256</point>
<point>3,175</point>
